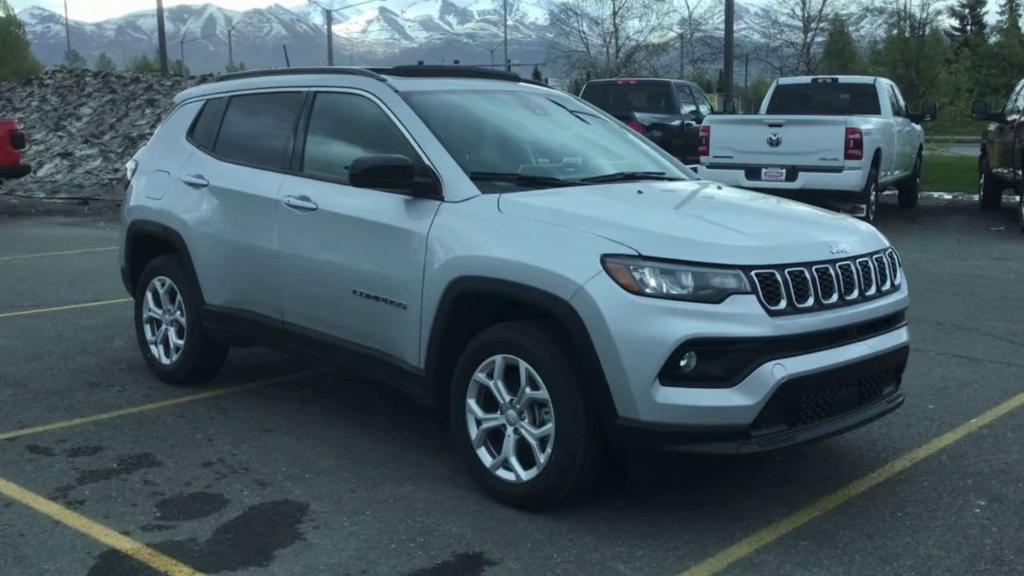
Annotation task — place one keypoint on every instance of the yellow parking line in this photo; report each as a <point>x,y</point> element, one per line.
<point>766,536</point>
<point>61,308</point>
<point>155,405</point>
<point>61,253</point>
<point>96,531</point>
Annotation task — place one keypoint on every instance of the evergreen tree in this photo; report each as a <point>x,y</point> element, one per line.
<point>967,28</point>
<point>16,60</point>
<point>536,75</point>
<point>236,67</point>
<point>178,68</point>
<point>104,63</point>
<point>142,64</point>
<point>74,60</point>
<point>840,53</point>
<point>1009,11</point>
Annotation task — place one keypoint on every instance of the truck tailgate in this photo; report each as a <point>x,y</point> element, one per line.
<point>777,141</point>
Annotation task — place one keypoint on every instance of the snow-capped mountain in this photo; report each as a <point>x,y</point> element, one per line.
<point>392,32</point>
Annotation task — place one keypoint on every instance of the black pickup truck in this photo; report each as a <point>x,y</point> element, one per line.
<point>1001,157</point>
<point>669,112</point>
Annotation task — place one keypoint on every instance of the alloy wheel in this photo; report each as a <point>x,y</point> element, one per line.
<point>163,320</point>
<point>510,418</point>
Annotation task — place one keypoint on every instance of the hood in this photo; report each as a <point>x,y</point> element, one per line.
<point>699,221</point>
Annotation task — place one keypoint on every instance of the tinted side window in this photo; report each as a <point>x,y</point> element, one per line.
<point>204,130</point>
<point>630,96</point>
<point>687,105</point>
<point>344,127</point>
<point>894,103</point>
<point>703,103</point>
<point>258,129</point>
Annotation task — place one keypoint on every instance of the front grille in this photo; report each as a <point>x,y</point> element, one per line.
<point>882,271</point>
<point>820,397</point>
<point>823,285</point>
<point>800,287</point>
<point>769,288</point>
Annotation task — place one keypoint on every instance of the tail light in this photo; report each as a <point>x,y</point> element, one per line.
<point>18,141</point>
<point>853,146</point>
<point>704,142</point>
<point>636,125</point>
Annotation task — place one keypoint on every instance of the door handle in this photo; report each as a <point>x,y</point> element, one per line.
<point>301,202</point>
<point>195,180</point>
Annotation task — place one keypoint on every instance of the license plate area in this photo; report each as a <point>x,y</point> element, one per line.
<point>773,174</point>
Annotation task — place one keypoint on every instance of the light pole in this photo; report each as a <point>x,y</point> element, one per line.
<point>161,36</point>
<point>491,50</point>
<point>67,30</point>
<point>504,9</point>
<point>727,53</point>
<point>231,48</point>
<point>329,23</point>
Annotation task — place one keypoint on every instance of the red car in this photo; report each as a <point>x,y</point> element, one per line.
<point>12,142</point>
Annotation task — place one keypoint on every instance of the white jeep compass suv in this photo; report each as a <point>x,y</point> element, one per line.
<point>552,278</point>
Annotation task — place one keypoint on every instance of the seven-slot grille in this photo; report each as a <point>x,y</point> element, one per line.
<point>822,285</point>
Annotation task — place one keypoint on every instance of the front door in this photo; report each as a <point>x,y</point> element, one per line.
<point>351,259</point>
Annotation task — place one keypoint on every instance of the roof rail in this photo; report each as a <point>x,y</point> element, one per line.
<point>345,70</point>
<point>448,71</point>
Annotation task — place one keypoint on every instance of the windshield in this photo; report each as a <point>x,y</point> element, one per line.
<point>624,98</point>
<point>825,99</point>
<point>519,139</point>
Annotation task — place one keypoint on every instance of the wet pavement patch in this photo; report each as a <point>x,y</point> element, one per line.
<point>123,466</point>
<point>82,451</point>
<point>40,450</point>
<point>191,506</point>
<point>248,540</point>
<point>461,564</point>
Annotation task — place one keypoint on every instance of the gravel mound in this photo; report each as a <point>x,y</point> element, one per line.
<point>83,126</point>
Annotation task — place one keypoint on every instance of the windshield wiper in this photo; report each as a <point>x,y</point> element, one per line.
<point>628,176</point>
<point>522,179</point>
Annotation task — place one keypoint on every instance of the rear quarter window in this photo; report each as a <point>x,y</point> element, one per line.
<point>825,99</point>
<point>204,130</point>
<point>259,129</point>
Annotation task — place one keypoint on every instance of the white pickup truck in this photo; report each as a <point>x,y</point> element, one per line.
<point>837,141</point>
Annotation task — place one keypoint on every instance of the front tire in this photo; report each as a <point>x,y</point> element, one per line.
<point>519,418</point>
<point>909,189</point>
<point>990,192</point>
<point>167,326</point>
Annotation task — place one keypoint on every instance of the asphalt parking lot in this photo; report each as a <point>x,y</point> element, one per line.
<point>284,466</point>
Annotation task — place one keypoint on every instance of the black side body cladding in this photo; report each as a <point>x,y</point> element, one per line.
<point>142,237</point>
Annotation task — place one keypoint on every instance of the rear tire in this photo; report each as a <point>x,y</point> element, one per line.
<point>870,196</point>
<point>530,470</point>
<point>990,191</point>
<point>180,353</point>
<point>1020,206</point>
<point>909,189</point>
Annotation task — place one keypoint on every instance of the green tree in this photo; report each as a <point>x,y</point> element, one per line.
<point>912,53</point>
<point>178,68</point>
<point>16,60</point>
<point>142,64</point>
<point>74,60</point>
<point>236,67</point>
<point>967,28</point>
<point>104,63</point>
<point>1007,51</point>
<point>536,75</point>
<point>1009,11</point>
<point>840,54</point>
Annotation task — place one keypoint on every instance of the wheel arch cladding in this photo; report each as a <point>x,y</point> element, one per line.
<point>146,240</point>
<point>471,304</point>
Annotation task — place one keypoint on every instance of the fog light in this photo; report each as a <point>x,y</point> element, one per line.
<point>688,361</point>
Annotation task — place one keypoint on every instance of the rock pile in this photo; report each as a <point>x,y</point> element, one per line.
<point>83,126</point>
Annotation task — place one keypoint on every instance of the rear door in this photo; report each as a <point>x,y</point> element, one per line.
<point>903,161</point>
<point>238,170</point>
<point>692,115</point>
<point>352,258</point>
<point>1002,148</point>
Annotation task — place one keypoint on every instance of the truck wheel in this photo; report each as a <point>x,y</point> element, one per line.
<point>1020,206</point>
<point>167,326</point>
<point>519,418</point>
<point>869,197</point>
<point>990,192</point>
<point>909,189</point>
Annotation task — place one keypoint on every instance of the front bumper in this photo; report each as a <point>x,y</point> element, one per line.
<point>634,336</point>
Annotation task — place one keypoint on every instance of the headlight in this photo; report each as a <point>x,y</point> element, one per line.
<point>675,280</point>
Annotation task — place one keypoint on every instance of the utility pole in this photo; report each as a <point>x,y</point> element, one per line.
<point>682,58</point>
<point>328,23</point>
<point>730,25</point>
<point>182,46</point>
<point>287,62</point>
<point>746,83</point>
<point>231,50</point>
<point>67,30</point>
<point>161,36</point>
<point>508,63</point>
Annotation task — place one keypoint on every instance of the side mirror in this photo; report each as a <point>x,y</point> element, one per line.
<point>929,111</point>
<point>980,111</point>
<point>392,172</point>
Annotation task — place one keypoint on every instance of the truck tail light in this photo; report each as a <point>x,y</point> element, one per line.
<point>636,125</point>
<point>853,145</point>
<point>704,142</point>
<point>18,140</point>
